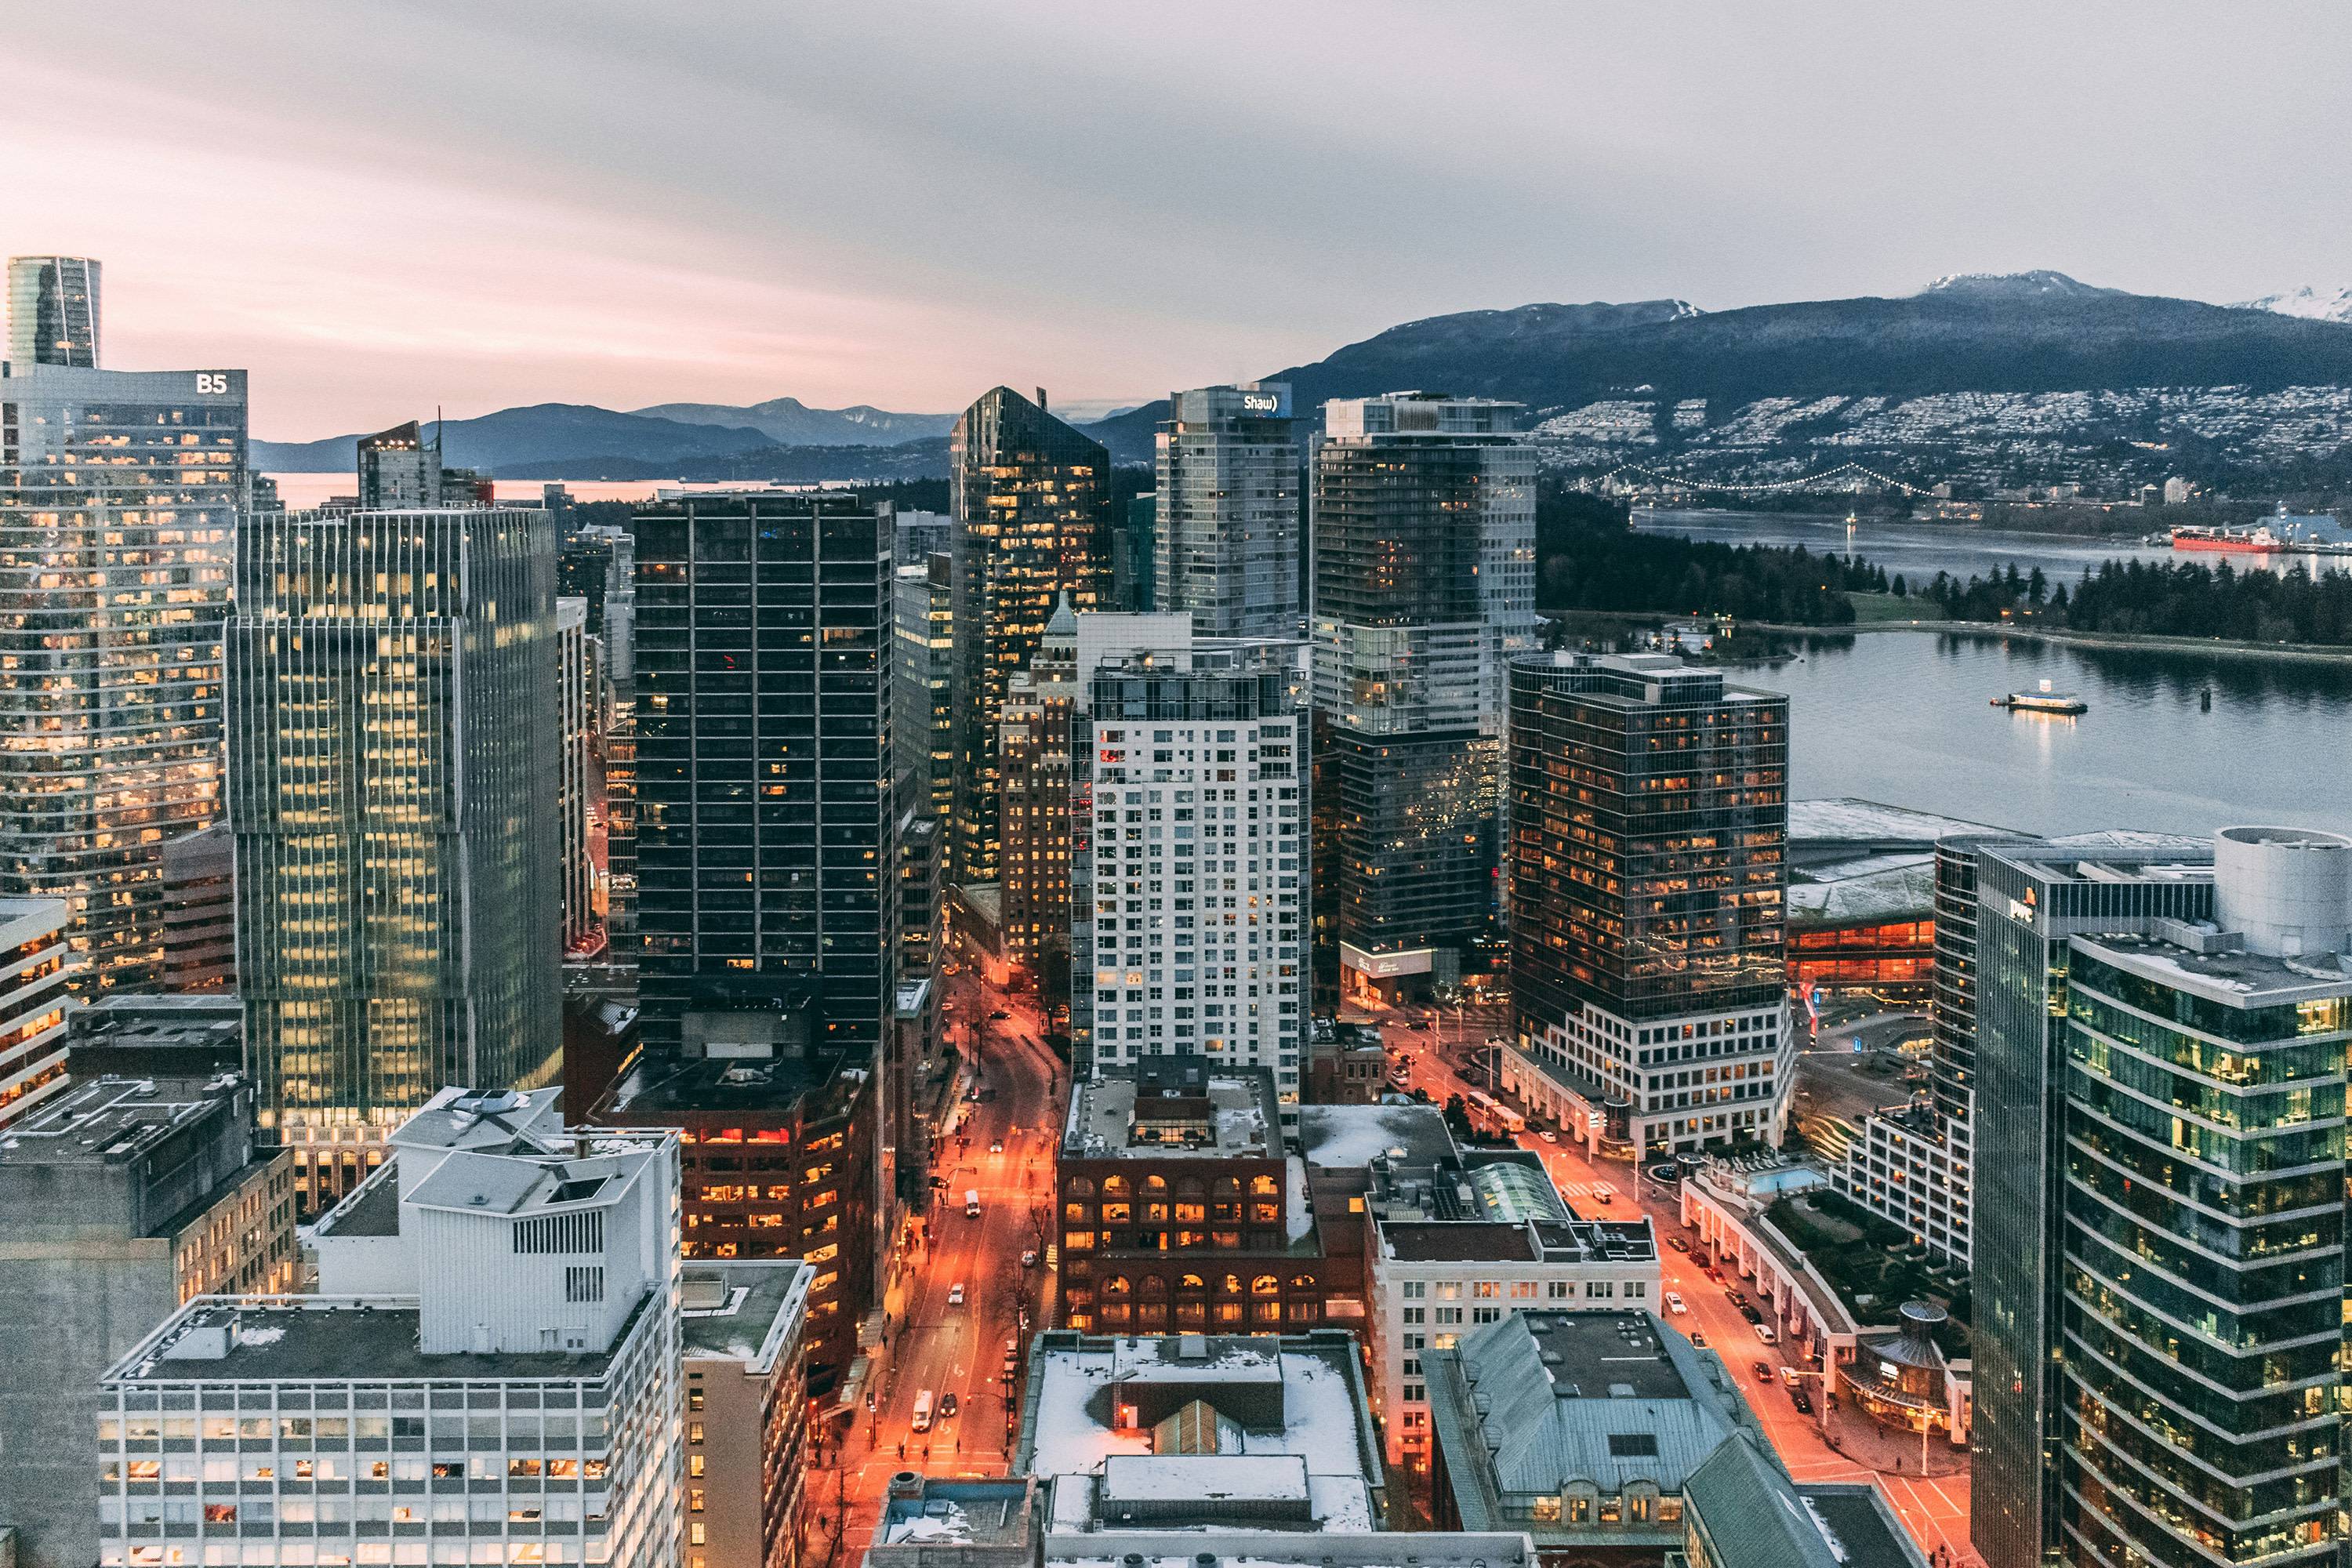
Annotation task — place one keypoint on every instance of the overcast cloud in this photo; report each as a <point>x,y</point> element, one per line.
<point>379,208</point>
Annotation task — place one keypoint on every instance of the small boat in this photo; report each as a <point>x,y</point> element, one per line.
<point>2043,702</point>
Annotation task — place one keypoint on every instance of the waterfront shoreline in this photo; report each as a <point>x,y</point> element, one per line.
<point>2132,642</point>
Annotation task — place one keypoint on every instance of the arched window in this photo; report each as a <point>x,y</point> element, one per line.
<point>1081,1187</point>
<point>1229,1186</point>
<point>1155,1183</point>
<point>1233,1285</point>
<point>1117,1285</point>
<point>1115,1185</point>
<point>1190,1187</point>
<point>1303,1282</point>
<point>1191,1282</point>
<point>1154,1287</point>
<point>1264,1285</point>
<point>1261,1186</point>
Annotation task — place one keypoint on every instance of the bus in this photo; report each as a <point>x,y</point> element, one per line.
<point>1489,1115</point>
<point>923,1411</point>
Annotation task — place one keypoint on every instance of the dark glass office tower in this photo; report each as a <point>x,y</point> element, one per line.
<point>393,750</point>
<point>52,312</point>
<point>1649,875</point>
<point>1228,512</point>
<point>2031,896</point>
<point>765,829</point>
<point>1031,504</point>
<point>119,497</point>
<point>2202,1286</point>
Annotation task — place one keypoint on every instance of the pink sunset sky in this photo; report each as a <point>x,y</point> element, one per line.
<point>379,209</point>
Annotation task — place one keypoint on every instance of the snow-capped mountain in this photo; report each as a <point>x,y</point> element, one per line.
<point>2312,304</point>
<point>2041,283</point>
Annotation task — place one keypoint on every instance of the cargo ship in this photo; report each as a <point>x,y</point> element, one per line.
<point>2258,541</point>
<point>2043,702</point>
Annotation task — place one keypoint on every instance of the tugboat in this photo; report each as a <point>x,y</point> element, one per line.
<point>2043,702</point>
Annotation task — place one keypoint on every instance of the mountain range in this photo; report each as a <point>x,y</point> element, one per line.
<point>1974,373</point>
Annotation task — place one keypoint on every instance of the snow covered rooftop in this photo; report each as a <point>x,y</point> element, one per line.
<point>1852,821</point>
<point>1344,1137</point>
<point>1282,1549</point>
<point>1201,1112</point>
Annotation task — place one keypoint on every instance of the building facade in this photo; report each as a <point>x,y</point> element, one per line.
<point>1181,755</point>
<point>1424,526</point>
<point>53,312</point>
<point>747,1413</point>
<point>765,820</point>
<point>124,1197</point>
<point>1229,512</point>
<point>1649,820</point>
<point>36,971</point>
<point>575,706</point>
<point>200,910</point>
<point>119,497</point>
<point>392,764</point>
<point>1031,503</point>
<point>922,674</point>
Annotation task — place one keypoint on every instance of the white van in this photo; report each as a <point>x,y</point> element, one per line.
<point>971,1203</point>
<point>923,1411</point>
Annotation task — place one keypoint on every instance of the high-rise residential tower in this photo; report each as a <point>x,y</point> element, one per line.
<point>922,695</point>
<point>575,706</point>
<point>1229,512</point>
<point>1190,895</point>
<point>1649,872</point>
<point>52,312</point>
<point>1423,526</point>
<point>1033,752</point>
<point>392,778</point>
<point>119,497</point>
<point>765,811</point>
<point>1031,503</point>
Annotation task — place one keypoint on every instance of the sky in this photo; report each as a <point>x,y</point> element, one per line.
<point>380,210</point>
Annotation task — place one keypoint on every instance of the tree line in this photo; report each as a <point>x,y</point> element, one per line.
<point>1589,559</point>
<point>2173,598</point>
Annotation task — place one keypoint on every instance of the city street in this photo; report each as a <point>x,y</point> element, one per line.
<point>958,1350</point>
<point>1936,1509</point>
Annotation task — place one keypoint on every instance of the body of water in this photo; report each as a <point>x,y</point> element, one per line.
<point>1916,550</point>
<point>1904,718</point>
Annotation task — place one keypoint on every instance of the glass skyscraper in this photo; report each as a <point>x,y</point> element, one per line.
<point>766,821</point>
<point>1424,588</point>
<point>393,782</point>
<point>53,313</point>
<point>1030,498</point>
<point>119,497</point>
<point>1649,881</point>
<point>1228,512</point>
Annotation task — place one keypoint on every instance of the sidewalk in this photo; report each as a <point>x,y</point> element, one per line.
<point>1890,1452</point>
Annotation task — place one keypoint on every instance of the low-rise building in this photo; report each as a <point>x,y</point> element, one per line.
<point>119,1199</point>
<point>1741,1510</point>
<point>971,1523</point>
<point>492,1367</point>
<point>747,1413</point>
<point>1457,1240</point>
<point>1584,1428</point>
<point>1345,1064</point>
<point>1187,1431</point>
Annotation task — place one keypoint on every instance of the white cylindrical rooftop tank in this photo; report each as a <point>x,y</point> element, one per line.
<point>2288,890</point>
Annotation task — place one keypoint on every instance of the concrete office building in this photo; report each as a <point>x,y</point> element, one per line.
<point>121,1199</point>
<point>499,1303</point>
<point>766,841</point>
<point>747,1413</point>
<point>1424,526</point>
<point>392,764</point>
<point>1228,512</point>
<point>36,971</point>
<point>1179,754</point>
<point>53,312</point>
<point>200,910</point>
<point>119,497</point>
<point>1650,810</point>
<point>1031,501</point>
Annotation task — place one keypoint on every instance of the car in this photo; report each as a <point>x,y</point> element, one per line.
<point>1604,1192</point>
<point>1715,1274</point>
<point>1675,1303</point>
<point>1029,1260</point>
<point>1549,1136</point>
<point>1678,1243</point>
<point>1763,1372</point>
<point>996,1145</point>
<point>1699,1340</point>
<point>955,1294</point>
<point>1764,1331</point>
<point>1797,1399</point>
<point>946,1404</point>
<point>1790,1375</point>
<point>1735,1298</point>
<point>998,1018</point>
<point>1751,1314</point>
<point>1419,1023</point>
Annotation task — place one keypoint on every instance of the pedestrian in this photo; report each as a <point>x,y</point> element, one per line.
<point>902,1450</point>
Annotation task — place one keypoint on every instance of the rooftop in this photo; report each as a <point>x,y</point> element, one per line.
<point>741,1311</point>
<point>155,1030</point>
<point>113,1121</point>
<point>1175,1106</point>
<point>1346,1136</point>
<point>958,1513</point>
<point>671,1086</point>
<point>1092,1401</point>
<point>1277,1548</point>
<point>2234,979</point>
<point>1848,823</point>
<point>331,1339</point>
<point>1744,1500</point>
